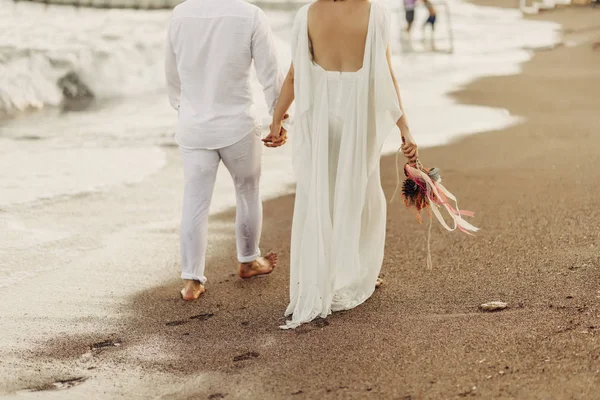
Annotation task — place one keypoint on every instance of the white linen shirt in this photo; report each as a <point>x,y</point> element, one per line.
<point>210,48</point>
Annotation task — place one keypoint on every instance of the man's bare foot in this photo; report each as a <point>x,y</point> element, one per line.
<point>261,266</point>
<point>378,283</point>
<point>191,290</point>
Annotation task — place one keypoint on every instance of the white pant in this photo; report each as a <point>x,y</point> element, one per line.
<point>243,160</point>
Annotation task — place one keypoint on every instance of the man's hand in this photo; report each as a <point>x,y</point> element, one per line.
<point>278,136</point>
<point>276,139</point>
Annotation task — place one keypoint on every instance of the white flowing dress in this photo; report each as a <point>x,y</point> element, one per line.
<point>342,120</point>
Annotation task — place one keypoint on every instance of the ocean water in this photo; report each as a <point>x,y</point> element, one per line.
<point>47,151</point>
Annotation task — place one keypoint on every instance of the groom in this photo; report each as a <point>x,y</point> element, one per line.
<point>210,49</point>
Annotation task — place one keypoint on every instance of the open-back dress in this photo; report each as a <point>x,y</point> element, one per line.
<point>342,120</point>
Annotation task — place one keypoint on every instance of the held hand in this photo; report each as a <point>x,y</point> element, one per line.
<point>409,147</point>
<point>278,136</point>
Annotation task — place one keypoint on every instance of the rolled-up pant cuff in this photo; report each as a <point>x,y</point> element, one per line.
<point>192,277</point>
<point>248,259</point>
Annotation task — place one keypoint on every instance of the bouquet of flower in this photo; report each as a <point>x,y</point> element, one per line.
<point>423,190</point>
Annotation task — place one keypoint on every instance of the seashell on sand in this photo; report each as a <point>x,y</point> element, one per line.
<point>493,306</point>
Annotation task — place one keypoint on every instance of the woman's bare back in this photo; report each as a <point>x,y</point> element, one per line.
<point>338,33</point>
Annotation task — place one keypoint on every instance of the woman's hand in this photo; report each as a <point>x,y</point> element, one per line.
<point>409,146</point>
<point>278,136</point>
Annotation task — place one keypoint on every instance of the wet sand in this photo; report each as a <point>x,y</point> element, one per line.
<point>420,336</point>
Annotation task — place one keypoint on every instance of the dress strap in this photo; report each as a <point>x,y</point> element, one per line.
<point>302,62</point>
<point>369,41</point>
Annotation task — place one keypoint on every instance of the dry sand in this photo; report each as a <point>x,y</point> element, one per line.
<point>534,189</point>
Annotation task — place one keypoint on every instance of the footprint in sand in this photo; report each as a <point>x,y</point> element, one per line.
<point>176,323</point>
<point>203,317</point>
<point>60,384</point>
<point>106,343</point>
<point>246,356</point>
<point>199,317</point>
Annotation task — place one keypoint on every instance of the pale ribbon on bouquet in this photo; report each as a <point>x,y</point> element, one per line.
<point>438,197</point>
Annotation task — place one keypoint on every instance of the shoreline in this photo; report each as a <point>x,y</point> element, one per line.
<point>412,338</point>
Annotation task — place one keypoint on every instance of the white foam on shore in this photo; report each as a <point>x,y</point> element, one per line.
<point>60,171</point>
<point>486,42</point>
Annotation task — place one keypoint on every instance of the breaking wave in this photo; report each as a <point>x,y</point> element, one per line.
<point>57,55</point>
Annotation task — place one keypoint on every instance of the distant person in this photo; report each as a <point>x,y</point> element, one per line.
<point>210,49</point>
<point>430,21</point>
<point>347,103</point>
<point>409,13</point>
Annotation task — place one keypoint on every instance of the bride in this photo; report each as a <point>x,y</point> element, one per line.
<point>347,102</point>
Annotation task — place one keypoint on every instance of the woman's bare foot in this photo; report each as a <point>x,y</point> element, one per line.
<point>378,283</point>
<point>261,266</point>
<point>191,290</point>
